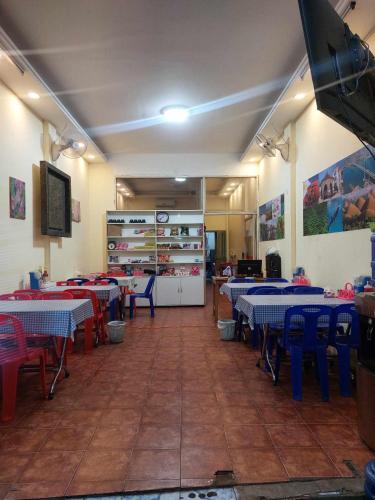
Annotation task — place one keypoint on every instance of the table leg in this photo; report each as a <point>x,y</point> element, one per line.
<point>60,367</point>
<point>264,360</point>
<point>89,327</point>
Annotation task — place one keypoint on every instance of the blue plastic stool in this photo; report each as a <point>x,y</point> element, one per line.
<point>370,480</point>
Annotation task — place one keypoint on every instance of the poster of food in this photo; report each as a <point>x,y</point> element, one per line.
<point>341,197</point>
<point>271,219</point>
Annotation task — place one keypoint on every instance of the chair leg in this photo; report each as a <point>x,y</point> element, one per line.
<point>9,373</point>
<point>152,309</point>
<point>277,363</point>
<point>131,307</point>
<point>234,313</point>
<point>89,323</point>
<point>296,355</point>
<point>321,358</point>
<point>255,337</point>
<point>343,352</point>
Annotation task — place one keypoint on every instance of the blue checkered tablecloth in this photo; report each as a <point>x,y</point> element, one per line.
<point>270,309</point>
<point>106,292</point>
<point>234,290</point>
<point>58,318</point>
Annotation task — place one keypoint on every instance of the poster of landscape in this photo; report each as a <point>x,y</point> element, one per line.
<point>271,219</point>
<point>341,197</point>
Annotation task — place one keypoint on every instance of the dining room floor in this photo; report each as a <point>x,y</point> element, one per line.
<point>170,407</point>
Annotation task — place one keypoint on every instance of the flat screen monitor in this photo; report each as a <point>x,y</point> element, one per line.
<point>342,69</point>
<point>249,267</point>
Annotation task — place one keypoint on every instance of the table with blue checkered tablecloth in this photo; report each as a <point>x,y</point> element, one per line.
<point>103,292</point>
<point>270,309</point>
<point>234,290</point>
<point>58,318</point>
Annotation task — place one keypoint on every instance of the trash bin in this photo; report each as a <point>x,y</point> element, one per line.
<point>116,330</point>
<point>227,328</point>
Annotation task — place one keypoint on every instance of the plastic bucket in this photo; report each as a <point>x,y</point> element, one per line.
<point>227,328</point>
<point>116,331</point>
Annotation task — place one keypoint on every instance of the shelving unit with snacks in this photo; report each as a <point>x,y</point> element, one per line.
<point>169,244</point>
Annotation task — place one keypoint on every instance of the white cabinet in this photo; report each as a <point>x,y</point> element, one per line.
<point>183,291</point>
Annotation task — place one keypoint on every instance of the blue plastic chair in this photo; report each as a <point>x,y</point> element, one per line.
<point>344,336</point>
<point>269,291</point>
<point>147,294</point>
<point>307,340</point>
<point>243,280</point>
<point>78,281</point>
<point>308,290</point>
<point>275,280</point>
<point>254,289</point>
<point>290,289</point>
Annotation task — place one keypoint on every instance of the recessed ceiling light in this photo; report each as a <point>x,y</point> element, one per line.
<point>299,96</point>
<point>225,194</point>
<point>233,184</point>
<point>253,158</point>
<point>80,144</point>
<point>175,114</point>
<point>91,157</point>
<point>33,95</point>
<point>180,179</point>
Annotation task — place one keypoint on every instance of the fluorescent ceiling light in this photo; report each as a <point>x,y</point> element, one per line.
<point>175,114</point>
<point>33,95</point>
<point>180,179</point>
<point>299,96</point>
<point>91,157</point>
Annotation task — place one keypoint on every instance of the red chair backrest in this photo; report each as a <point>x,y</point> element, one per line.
<point>96,283</point>
<point>16,296</point>
<point>65,295</point>
<point>64,283</point>
<point>35,294</point>
<point>82,293</point>
<point>12,339</point>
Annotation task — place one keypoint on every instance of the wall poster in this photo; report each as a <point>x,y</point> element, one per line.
<point>341,197</point>
<point>271,219</point>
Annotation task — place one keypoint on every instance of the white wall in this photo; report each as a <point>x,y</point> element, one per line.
<point>329,259</point>
<point>22,248</point>
<point>275,179</point>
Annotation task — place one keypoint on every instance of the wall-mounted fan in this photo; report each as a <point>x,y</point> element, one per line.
<point>269,146</point>
<point>70,145</point>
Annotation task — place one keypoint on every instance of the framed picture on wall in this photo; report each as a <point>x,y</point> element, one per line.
<point>76,211</point>
<point>17,199</point>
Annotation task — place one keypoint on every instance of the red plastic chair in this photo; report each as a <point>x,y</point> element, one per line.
<point>65,295</point>
<point>66,283</point>
<point>35,294</point>
<point>13,354</point>
<point>83,293</point>
<point>15,296</point>
<point>97,283</point>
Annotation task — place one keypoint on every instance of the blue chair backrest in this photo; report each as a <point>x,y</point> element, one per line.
<point>308,290</point>
<point>79,281</point>
<point>290,289</point>
<point>269,291</point>
<point>276,280</point>
<point>150,285</point>
<point>243,280</point>
<point>345,314</point>
<point>253,289</point>
<point>308,318</point>
<point>110,280</point>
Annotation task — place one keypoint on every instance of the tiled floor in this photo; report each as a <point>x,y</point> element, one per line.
<point>167,408</point>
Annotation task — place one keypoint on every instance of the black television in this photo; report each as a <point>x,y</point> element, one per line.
<point>249,267</point>
<point>342,69</point>
<point>56,201</point>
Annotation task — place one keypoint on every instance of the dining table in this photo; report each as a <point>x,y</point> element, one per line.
<point>265,310</point>
<point>54,318</point>
<point>108,293</point>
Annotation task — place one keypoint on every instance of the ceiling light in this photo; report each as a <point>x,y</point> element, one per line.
<point>33,95</point>
<point>80,144</point>
<point>253,158</point>
<point>232,184</point>
<point>175,114</point>
<point>91,157</point>
<point>299,96</point>
<point>225,194</point>
<point>118,184</point>
<point>180,179</point>
<point>127,194</point>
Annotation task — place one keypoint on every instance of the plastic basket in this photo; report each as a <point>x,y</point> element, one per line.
<point>226,328</point>
<point>116,331</point>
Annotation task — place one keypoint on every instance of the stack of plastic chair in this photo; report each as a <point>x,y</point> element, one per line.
<point>101,334</point>
<point>344,336</point>
<point>308,339</point>
<point>13,354</point>
<point>147,294</point>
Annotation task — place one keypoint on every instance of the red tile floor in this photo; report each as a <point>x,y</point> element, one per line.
<point>167,408</point>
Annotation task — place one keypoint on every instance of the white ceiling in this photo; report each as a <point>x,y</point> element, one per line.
<point>115,61</point>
